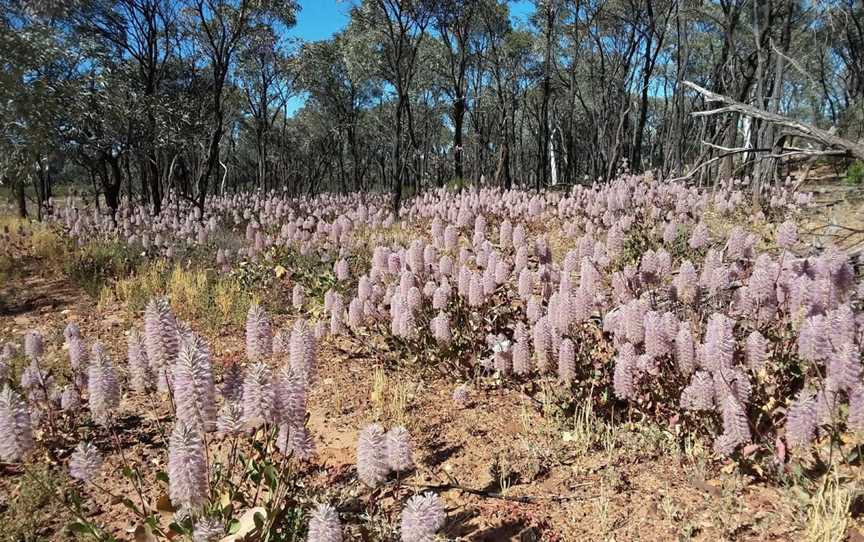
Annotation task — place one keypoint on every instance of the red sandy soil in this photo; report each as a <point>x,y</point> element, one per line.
<point>642,490</point>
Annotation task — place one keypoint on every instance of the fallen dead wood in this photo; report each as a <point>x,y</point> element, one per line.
<point>800,129</point>
<point>524,499</point>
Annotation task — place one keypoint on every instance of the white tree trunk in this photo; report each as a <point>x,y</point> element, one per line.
<point>552,165</point>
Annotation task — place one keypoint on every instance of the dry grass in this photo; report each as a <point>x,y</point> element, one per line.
<point>133,292</point>
<point>390,399</point>
<point>589,432</point>
<point>828,513</point>
<point>28,240</point>
<point>196,294</point>
<point>841,224</point>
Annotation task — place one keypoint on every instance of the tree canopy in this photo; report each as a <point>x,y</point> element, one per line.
<point>156,99</point>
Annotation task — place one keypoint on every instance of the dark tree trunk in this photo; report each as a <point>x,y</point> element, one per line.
<point>39,184</point>
<point>458,122</point>
<point>355,158</point>
<point>397,159</point>
<point>21,199</point>
<point>93,175</point>
<point>543,144</point>
<point>155,186</point>
<point>113,184</point>
<point>212,160</point>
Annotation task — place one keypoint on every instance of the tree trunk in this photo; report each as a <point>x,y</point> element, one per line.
<point>397,159</point>
<point>727,164</point>
<point>458,120</point>
<point>648,67</point>
<point>21,199</point>
<point>39,185</point>
<point>212,160</point>
<point>112,186</point>
<point>261,158</point>
<point>203,181</point>
<point>93,175</point>
<point>543,144</point>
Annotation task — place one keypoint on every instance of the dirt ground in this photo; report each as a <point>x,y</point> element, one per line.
<point>522,475</point>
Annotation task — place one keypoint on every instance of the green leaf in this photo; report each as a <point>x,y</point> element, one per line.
<point>233,526</point>
<point>75,498</point>
<point>228,510</point>
<point>271,476</point>
<point>80,527</point>
<point>184,527</point>
<point>151,521</point>
<point>131,506</point>
<point>258,518</point>
<point>162,476</point>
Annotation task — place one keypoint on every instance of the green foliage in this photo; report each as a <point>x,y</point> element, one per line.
<point>311,271</point>
<point>257,491</point>
<point>253,275</point>
<point>31,514</point>
<point>456,184</point>
<point>469,328</point>
<point>639,240</point>
<point>96,263</point>
<point>855,173</point>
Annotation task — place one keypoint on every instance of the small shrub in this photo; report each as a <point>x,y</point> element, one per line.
<point>134,291</point>
<point>230,301</point>
<point>855,173</point>
<point>97,263</point>
<point>46,243</point>
<point>33,514</point>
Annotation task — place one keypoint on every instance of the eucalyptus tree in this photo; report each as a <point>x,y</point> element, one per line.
<point>35,67</point>
<point>340,85</point>
<point>221,28</point>
<point>266,77</point>
<point>145,34</point>
<point>507,55</point>
<point>837,65</point>
<point>651,18</point>
<point>395,30</point>
<point>545,20</point>
<point>104,121</point>
<point>455,21</point>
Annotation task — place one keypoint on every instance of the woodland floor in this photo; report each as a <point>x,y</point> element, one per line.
<point>567,481</point>
<point>634,487</point>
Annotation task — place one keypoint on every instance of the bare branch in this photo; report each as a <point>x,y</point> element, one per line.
<point>803,130</point>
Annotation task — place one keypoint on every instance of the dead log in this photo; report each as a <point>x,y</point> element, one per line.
<point>799,128</point>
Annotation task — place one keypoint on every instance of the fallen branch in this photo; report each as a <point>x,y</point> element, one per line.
<point>732,150</point>
<point>785,153</point>
<point>707,163</point>
<point>11,468</point>
<point>526,499</point>
<point>803,130</point>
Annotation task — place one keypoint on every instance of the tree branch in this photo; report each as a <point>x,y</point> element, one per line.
<point>803,130</point>
<point>524,499</point>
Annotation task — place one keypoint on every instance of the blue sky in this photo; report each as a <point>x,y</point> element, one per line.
<point>320,19</point>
